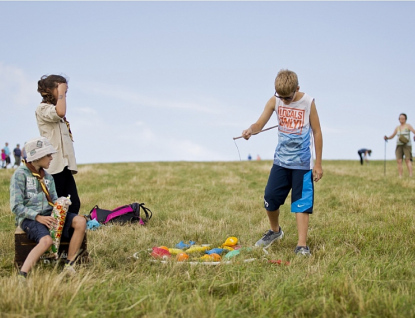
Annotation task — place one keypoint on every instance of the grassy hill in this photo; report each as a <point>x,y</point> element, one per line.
<point>361,236</point>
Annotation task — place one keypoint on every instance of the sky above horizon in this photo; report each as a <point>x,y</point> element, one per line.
<point>176,81</point>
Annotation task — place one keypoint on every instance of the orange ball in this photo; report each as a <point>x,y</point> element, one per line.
<point>182,257</point>
<point>215,257</point>
<point>211,257</point>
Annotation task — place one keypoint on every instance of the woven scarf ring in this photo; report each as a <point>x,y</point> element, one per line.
<point>69,127</point>
<point>40,177</point>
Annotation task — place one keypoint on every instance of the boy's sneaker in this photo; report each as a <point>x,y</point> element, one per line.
<point>302,250</point>
<point>269,237</point>
<point>22,280</point>
<point>69,270</point>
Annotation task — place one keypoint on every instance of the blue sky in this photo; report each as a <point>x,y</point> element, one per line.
<point>169,81</point>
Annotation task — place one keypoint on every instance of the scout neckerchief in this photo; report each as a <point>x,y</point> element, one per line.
<point>40,177</point>
<point>69,127</point>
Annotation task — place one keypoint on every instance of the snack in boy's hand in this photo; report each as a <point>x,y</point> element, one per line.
<point>59,213</point>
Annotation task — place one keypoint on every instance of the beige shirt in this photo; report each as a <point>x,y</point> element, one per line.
<point>54,128</point>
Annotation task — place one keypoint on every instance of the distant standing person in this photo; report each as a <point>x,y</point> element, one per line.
<point>17,155</point>
<point>52,124</point>
<point>403,144</point>
<point>363,154</point>
<point>7,152</point>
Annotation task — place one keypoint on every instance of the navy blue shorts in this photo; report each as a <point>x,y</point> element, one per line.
<point>281,180</point>
<point>35,230</point>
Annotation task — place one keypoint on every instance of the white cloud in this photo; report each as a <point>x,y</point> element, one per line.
<point>16,88</point>
<point>132,97</point>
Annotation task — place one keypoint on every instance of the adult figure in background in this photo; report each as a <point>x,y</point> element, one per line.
<point>17,155</point>
<point>403,144</point>
<point>52,124</point>
<point>363,154</point>
<point>24,155</point>
<point>7,152</point>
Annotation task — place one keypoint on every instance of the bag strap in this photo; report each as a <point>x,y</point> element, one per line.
<point>147,211</point>
<point>137,213</point>
<point>95,207</point>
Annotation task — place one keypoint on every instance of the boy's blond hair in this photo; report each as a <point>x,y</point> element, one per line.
<point>286,82</point>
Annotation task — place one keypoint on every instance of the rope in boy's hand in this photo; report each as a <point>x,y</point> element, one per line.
<point>234,138</point>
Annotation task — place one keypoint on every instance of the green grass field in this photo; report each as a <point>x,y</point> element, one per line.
<point>361,236</point>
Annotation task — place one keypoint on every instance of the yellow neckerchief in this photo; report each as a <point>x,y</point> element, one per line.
<point>69,127</point>
<point>39,176</point>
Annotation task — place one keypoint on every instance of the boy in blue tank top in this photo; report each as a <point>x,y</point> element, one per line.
<point>299,135</point>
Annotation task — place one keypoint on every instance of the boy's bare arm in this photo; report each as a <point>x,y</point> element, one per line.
<point>318,142</point>
<point>262,120</point>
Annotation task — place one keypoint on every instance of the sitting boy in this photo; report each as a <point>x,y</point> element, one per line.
<point>32,196</point>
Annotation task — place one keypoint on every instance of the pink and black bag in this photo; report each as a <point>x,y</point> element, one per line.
<point>134,212</point>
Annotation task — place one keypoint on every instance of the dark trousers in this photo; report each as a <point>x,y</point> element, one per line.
<point>361,157</point>
<point>65,185</point>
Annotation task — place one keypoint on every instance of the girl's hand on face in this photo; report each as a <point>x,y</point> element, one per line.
<point>62,88</point>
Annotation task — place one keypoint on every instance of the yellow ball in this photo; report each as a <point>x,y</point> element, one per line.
<point>230,241</point>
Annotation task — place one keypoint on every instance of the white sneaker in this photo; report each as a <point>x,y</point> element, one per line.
<point>69,270</point>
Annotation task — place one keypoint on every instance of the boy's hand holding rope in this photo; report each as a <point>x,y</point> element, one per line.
<point>247,136</point>
<point>254,133</point>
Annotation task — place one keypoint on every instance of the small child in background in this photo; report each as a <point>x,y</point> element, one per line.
<point>3,159</point>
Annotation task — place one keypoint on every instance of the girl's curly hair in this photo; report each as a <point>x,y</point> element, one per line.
<point>45,86</point>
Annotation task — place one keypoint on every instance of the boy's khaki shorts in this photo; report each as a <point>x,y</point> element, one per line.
<point>403,150</point>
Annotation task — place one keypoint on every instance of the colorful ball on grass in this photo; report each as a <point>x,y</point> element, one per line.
<point>215,257</point>
<point>175,251</point>
<point>211,257</point>
<point>160,253</point>
<point>215,250</point>
<point>231,241</point>
<point>181,257</point>
<point>197,249</point>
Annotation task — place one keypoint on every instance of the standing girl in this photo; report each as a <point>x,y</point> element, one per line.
<point>52,124</point>
<point>403,144</point>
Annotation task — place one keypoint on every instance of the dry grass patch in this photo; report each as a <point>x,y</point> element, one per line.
<point>362,263</point>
